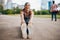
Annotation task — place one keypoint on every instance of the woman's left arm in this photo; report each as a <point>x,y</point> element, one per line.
<point>31,17</point>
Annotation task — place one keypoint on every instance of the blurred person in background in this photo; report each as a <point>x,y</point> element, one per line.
<point>54,11</point>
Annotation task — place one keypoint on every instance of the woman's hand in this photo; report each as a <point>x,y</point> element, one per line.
<point>22,22</point>
<point>30,21</point>
<point>31,17</point>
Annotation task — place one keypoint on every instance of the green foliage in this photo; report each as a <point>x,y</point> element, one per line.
<point>1,8</point>
<point>17,10</point>
<point>58,13</point>
<point>12,11</point>
<point>35,13</point>
<point>44,12</point>
<point>38,12</point>
<point>8,11</point>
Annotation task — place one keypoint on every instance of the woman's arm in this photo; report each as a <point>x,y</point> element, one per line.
<point>31,17</point>
<point>22,17</point>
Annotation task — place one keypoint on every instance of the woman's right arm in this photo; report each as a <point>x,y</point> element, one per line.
<point>22,17</point>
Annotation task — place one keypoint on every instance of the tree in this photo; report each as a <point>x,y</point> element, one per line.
<point>17,10</point>
<point>34,12</point>
<point>44,12</point>
<point>38,12</point>
<point>1,8</point>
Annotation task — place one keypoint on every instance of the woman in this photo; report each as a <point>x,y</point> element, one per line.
<point>26,20</point>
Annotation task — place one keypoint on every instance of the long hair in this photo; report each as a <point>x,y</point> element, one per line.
<point>26,3</point>
<point>24,8</point>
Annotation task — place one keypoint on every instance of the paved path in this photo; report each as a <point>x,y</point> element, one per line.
<point>43,28</point>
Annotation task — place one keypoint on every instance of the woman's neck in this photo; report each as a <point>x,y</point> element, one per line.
<point>27,10</point>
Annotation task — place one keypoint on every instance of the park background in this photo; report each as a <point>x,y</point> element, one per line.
<point>42,29</point>
<point>40,7</point>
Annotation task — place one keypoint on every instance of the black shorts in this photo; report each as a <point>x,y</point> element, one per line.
<point>27,20</point>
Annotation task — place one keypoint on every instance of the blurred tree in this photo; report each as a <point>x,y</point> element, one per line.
<point>8,11</point>
<point>17,10</point>
<point>1,8</point>
<point>45,12</point>
<point>34,12</point>
<point>38,12</point>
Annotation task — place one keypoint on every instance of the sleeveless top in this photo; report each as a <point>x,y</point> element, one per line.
<point>26,17</point>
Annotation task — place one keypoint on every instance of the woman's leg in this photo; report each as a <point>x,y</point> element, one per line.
<point>30,30</point>
<point>23,28</point>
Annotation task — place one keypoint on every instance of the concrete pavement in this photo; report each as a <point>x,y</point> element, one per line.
<point>43,28</point>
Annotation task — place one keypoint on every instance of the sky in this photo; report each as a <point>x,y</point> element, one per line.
<point>57,1</point>
<point>35,4</point>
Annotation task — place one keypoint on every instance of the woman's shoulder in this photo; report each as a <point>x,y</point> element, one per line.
<point>31,11</point>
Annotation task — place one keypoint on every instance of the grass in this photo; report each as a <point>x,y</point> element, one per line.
<point>43,16</point>
<point>46,16</point>
<point>39,16</point>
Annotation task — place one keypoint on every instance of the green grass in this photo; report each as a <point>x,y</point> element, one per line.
<point>39,16</point>
<point>43,16</point>
<point>46,16</point>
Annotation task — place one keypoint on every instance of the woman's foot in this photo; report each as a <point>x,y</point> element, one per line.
<point>28,37</point>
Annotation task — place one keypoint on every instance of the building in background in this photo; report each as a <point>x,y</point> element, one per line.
<point>2,2</point>
<point>46,4</point>
<point>8,4</point>
<point>58,6</point>
<point>50,3</point>
<point>14,5</point>
<point>43,5</point>
<point>21,6</point>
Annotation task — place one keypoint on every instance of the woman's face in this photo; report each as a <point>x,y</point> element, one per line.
<point>27,6</point>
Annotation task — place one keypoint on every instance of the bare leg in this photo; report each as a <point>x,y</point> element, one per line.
<point>23,28</point>
<point>30,30</point>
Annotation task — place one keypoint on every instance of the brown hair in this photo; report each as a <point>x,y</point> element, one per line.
<point>24,8</point>
<point>26,3</point>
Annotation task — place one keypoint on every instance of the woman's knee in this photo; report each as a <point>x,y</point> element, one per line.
<point>30,24</point>
<point>23,23</point>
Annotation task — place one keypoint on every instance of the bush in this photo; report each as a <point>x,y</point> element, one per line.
<point>38,12</point>
<point>58,13</point>
<point>35,13</point>
<point>45,12</point>
<point>42,12</point>
<point>17,10</point>
<point>1,8</point>
<point>8,11</point>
